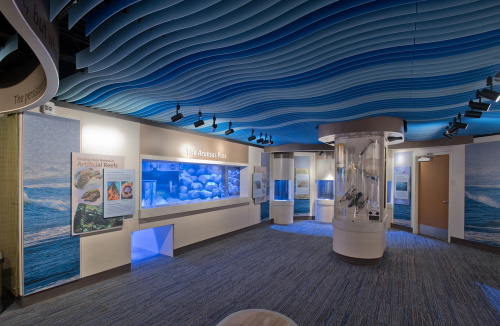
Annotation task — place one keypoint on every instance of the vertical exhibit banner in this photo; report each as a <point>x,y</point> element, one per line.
<point>120,187</point>
<point>51,255</point>
<point>260,195</point>
<point>482,193</point>
<point>402,185</point>
<point>87,196</point>
<point>301,183</point>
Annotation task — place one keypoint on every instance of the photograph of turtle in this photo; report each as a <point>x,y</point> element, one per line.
<point>113,193</point>
<point>127,190</point>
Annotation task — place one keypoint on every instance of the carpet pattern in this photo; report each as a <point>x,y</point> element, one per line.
<point>290,270</point>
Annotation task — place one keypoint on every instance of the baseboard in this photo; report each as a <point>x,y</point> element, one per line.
<point>475,245</point>
<point>303,218</point>
<point>401,228</point>
<point>197,245</point>
<point>28,300</point>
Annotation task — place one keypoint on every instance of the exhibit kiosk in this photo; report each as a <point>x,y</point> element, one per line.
<point>325,172</point>
<point>283,194</point>
<point>360,216</point>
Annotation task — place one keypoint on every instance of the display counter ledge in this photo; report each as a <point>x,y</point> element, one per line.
<point>282,202</point>
<point>325,202</point>
<point>177,209</point>
<point>364,226</point>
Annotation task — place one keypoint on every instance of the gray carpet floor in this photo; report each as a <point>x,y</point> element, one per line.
<point>291,270</point>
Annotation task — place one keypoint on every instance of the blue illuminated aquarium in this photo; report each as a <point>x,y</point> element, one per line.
<point>282,190</point>
<point>173,183</point>
<point>325,189</point>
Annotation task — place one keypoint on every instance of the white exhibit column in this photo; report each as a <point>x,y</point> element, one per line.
<point>283,175</point>
<point>325,175</point>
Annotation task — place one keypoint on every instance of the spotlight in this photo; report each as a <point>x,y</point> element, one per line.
<point>490,94</point>
<point>265,141</point>
<point>479,106</point>
<point>214,125</point>
<point>394,138</point>
<point>252,137</point>
<point>459,124</point>
<point>178,116</point>
<point>200,121</point>
<point>230,130</point>
<point>447,135</point>
<point>270,140</point>
<point>473,114</point>
<point>320,153</point>
<point>405,125</point>
<point>260,140</point>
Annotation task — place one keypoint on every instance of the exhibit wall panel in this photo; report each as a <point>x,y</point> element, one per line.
<point>254,160</point>
<point>305,160</point>
<point>9,205</point>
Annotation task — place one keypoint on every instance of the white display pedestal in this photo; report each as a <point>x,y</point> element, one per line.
<point>283,212</point>
<point>323,210</point>
<point>359,242</point>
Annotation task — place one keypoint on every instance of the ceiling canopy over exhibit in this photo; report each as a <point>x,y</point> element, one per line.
<point>284,67</point>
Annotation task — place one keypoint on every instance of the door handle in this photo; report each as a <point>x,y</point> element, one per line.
<point>446,202</point>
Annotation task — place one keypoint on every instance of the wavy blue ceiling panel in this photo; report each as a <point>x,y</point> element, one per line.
<point>79,10</point>
<point>104,12</point>
<point>283,67</point>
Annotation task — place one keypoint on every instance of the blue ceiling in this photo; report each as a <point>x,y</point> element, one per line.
<point>283,67</point>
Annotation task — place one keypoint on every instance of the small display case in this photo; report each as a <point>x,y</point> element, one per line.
<point>167,183</point>
<point>325,189</point>
<point>283,190</point>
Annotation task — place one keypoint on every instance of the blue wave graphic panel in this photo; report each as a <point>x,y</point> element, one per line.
<point>51,254</point>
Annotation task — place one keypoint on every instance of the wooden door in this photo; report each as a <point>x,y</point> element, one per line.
<point>433,196</point>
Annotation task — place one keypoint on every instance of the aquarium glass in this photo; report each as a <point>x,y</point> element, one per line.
<point>282,190</point>
<point>325,189</point>
<point>172,183</point>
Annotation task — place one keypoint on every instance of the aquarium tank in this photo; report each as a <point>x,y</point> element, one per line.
<point>173,183</point>
<point>325,189</point>
<point>282,189</point>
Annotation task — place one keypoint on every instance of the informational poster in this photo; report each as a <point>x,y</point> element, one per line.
<point>120,192</point>
<point>264,186</point>
<point>87,192</point>
<point>301,183</point>
<point>402,185</point>
<point>257,185</point>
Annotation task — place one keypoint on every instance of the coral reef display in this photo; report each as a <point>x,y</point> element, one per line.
<point>113,193</point>
<point>127,191</point>
<point>91,195</point>
<point>90,218</point>
<point>179,183</point>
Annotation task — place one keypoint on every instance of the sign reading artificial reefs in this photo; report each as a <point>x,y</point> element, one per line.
<point>200,153</point>
<point>87,192</point>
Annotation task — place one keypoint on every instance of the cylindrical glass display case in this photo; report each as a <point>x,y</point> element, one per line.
<point>359,168</point>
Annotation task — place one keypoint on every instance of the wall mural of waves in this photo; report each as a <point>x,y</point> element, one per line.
<point>51,254</point>
<point>482,193</point>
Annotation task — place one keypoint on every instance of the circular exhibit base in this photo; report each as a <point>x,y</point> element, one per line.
<point>256,317</point>
<point>358,261</point>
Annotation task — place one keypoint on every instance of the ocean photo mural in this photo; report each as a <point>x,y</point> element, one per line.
<point>51,254</point>
<point>482,193</point>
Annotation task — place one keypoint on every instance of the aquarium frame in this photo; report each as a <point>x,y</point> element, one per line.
<point>183,208</point>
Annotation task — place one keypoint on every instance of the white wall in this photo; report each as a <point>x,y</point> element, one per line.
<point>104,251</point>
<point>456,189</point>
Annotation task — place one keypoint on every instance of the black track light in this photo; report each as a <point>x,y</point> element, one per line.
<point>451,129</point>
<point>230,130</point>
<point>473,114</point>
<point>320,153</point>
<point>252,137</point>
<point>200,121</point>
<point>447,135</point>
<point>485,107</point>
<point>214,125</point>
<point>178,116</point>
<point>490,94</point>
<point>260,140</point>
<point>459,124</point>
<point>270,140</point>
<point>265,141</point>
